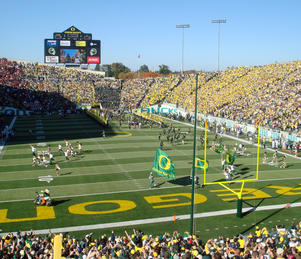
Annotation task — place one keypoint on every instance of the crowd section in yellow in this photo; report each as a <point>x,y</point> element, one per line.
<point>269,92</point>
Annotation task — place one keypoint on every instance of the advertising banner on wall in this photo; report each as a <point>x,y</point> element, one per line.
<point>162,109</point>
<point>12,111</point>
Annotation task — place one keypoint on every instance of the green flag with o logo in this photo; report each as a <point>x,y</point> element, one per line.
<point>163,166</point>
<point>201,164</point>
<point>229,159</point>
<point>219,149</point>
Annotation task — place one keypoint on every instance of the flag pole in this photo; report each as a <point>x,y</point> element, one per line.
<point>205,150</point>
<point>193,164</point>
<point>138,64</point>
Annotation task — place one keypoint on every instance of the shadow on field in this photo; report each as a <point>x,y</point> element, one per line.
<point>67,173</point>
<point>58,202</point>
<point>237,165</point>
<point>253,208</point>
<point>250,193</point>
<point>54,128</point>
<point>184,181</point>
<point>247,230</point>
<point>160,184</point>
<point>76,159</point>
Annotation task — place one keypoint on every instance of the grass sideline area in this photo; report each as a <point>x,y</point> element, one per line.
<point>107,187</point>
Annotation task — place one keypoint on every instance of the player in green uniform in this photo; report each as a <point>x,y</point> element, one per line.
<point>161,145</point>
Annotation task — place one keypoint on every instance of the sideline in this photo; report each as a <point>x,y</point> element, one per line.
<point>234,138</point>
<point>160,220</point>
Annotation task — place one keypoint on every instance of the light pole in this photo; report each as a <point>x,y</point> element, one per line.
<point>183,26</point>
<point>219,24</point>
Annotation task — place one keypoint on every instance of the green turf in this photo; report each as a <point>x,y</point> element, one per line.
<point>116,169</point>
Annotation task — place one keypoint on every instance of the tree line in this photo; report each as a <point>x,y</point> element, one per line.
<point>120,71</point>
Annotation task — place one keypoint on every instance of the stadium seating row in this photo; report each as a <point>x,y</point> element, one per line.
<point>244,94</point>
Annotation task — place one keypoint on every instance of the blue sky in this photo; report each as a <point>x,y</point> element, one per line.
<point>256,32</point>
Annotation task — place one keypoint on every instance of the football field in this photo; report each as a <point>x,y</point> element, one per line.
<point>106,186</point>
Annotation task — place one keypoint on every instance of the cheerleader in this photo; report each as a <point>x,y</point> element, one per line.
<point>44,160</point>
<point>60,149</point>
<point>265,157</point>
<point>223,163</point>
<point>79,147</point>
<point>226,175</point>
<point>49,150</point>
<point>240,147</point>
<point>283,162</point>
<point>51,157</point>
<point>34,160</point>
<point>243,149</point>
<point>66,155</point>
<point>235,148</point>
<point>213,146</point>
<point>225,148</point>
<point>57,169</point>
<point>232,169</point>
<point>275,157</point>
<point>229,172</point>
<point>33,150</point>
<point>72,151</point>
<point>39,159</point>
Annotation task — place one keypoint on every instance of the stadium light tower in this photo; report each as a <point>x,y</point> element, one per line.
<point>219,25</point>
<point>183,26</point>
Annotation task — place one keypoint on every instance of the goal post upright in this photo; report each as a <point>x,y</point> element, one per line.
<point>223,183</point>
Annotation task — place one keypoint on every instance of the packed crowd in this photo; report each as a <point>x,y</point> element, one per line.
<point>134,91</point>
<point>34,86</point>
<point>108,98</point>
<point>162,86</point>
<point>244,94</point>
<point>280,242</point>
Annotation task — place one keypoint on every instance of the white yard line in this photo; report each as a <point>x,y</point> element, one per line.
<point>162,219</point>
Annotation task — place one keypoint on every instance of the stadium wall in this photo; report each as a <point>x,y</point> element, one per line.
<point>167,108</point>
<point>4,110</point>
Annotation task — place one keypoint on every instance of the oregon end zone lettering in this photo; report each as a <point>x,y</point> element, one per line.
<point>198,198</point>
<point>80,209</point>
<point>253,194</point>
<point>42,214</point>
<point>170,200</point>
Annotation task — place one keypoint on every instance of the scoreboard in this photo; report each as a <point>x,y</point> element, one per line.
<point>72,47</point>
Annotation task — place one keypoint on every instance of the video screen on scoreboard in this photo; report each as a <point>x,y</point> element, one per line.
<point>76,56</point>
<point>72,52</point>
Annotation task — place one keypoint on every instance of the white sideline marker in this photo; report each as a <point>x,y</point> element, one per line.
<point>47,178</point>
